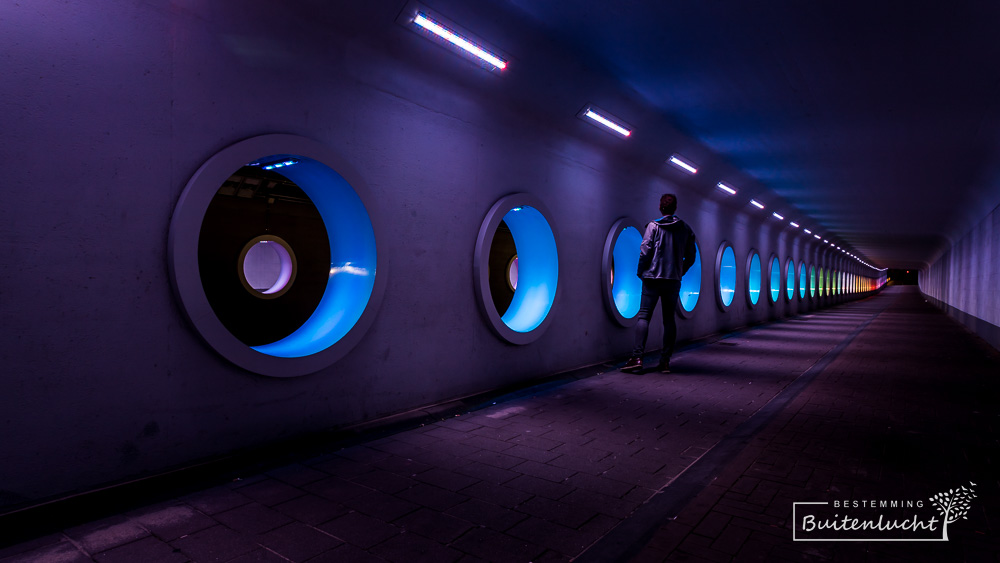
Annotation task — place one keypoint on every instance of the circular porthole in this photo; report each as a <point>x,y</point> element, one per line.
<point>308,306</point>
<point>621,287</point>
<point>690,286</point>
<point>775,279</point>
<point>790,279</point>
<point>802,280</point>
<point>267,266</point>
<point>526,315</point>
<point>725,272</point>
<point>753,278</point>
<point>812,281</point>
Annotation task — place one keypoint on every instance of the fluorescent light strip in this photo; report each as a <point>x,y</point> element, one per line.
<point>794,224</point>
<point>676,161</point>
<point>817,237</point>
<point>458,41</point>
<point>607,123</point>
<point>726,188</point>
<point>808,232</point>
<point>776,216</point>
<point>756,204</point>
<point>824,240</point>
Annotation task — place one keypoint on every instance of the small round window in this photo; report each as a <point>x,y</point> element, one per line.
<point>812,281</point>
<point>790,279</point>
<point>802,280</point>
<point>775,280</point>
<point>753,278</point>
<point>622,288</point>
<point>725,271</point>
<point>267,266</point>
<point>691,284</point>
<point>516,268</point>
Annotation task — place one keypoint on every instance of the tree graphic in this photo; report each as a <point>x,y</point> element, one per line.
<point>954,505</point>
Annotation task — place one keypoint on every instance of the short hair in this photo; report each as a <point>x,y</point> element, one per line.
<point>668,204</point>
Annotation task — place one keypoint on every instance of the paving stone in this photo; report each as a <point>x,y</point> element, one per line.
<point>261,555</point>
<point>544,471</point>
<point>455,480</point>
<point>360,530</point>
<point>215,500</point>
<point>311,509</point>
<point>337,489</point>
<point>218,543</point>
<point>486,514</point>
<point>411,548</point>
<point>171,522</point>
<point>434,525</point>
<point>540,487</point>
<point>147,550</point>
<point>497,547</point>
<point>105,534</point>
<point>569,515</point>
<point>384,481</point>
<point>59,552</point>
<point>253,518</point>
<point>298,542</point>
<point>502,495</point>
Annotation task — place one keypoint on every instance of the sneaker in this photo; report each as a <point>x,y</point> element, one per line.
<point>633,364</point>
<point>663,366</point>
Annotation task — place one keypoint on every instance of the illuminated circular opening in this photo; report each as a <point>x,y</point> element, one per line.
<point>753,278</point>
<point>537,276</point>
<point>790,279</point>
<point>622,287</point>
<point>812,281</point>
<point>267,266</point>
<point>691,284</point>
<point>775,278</point>
<point>726,273</point>
<point>802,280</point>
<point>350,290</point>
<point>512,273</point>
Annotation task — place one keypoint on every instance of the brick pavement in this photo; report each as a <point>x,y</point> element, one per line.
<point>567,471</point>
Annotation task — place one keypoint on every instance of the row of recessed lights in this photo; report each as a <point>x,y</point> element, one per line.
<point>595,115</point>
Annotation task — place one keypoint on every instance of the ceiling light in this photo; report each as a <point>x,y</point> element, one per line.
<point>794,224</point>
<point>725,188</point>
<point>756,204</point>
<point>807,231</point>
<point>457,40</point>
<point>680,163</point>
<point>776,216</point>
<point>817,236</point>
<point>605,121</point>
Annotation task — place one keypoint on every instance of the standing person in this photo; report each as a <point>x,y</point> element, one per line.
<point>666,254</point>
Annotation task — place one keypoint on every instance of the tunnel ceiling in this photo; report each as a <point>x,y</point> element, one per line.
<point>879,121</point>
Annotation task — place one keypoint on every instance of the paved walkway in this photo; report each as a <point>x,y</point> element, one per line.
<point>881,398</point>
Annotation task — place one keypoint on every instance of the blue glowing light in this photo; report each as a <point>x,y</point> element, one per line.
<point>275,164</point>
<point>775,280</point>
<point>790,280</point>
<point>691,283</point>
<point>626,287</point>
<point>753,279</point>
<point>538,269</point>
<point>457,40</point>
<point>802,280</point>
<point>352,262</point>
<point>727,276</point>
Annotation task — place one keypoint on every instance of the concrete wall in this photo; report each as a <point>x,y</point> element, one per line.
<point>109,108</point>
<point>965,281</point>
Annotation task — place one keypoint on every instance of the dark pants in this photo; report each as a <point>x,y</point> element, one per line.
<point>653,291</point>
